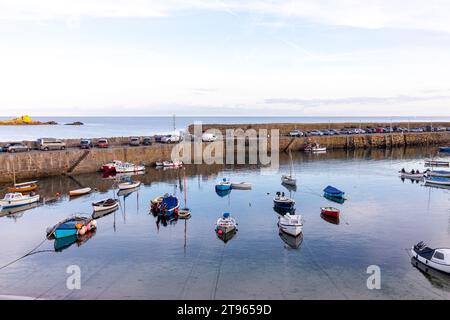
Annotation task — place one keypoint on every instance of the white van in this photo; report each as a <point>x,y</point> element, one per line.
<point>209,137</point>
<point>47,144</point>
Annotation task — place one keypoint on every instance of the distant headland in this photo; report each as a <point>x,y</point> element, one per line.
<point>28,121</point>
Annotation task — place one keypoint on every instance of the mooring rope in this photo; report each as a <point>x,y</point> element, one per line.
<point>25,255</point>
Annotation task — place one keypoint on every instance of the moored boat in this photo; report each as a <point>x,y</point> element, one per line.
<point>330,212</point>
<point>105,204</point>
<point>79,192</point>
<point>129,167</point>
<point>281,201</point>
<point>436,163</point>
<point>439,173</point>
<point>129,185</point>
<point>241,185</point>
<point>288,180</point>
<point>111,166</point>
<point>18,199</point>
<point>437,181</point>
<point>166,205</point>
<point>333,192</point>
<point>155,204</point>
<point>76,225</point>
<point>314,147</point>
<point>223,185</point>
<point>414,175</point>
<point>23,187</point>
<point>438,258</point>
<point>291,224</point>
<point>225,224</point>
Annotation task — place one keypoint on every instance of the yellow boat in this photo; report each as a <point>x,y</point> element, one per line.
<point>23,187</point>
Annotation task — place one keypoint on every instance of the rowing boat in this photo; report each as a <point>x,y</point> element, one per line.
<point>79,192</point>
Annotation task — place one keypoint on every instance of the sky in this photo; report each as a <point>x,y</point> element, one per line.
<point>220,57</point>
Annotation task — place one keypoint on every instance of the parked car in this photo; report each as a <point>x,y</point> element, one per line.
<point>326,132</point>
<point>439,129</point>
<point>381,130</point>
<point>170,138</point>
<point>371,130</point>
<point>15,147</point>
<point>135,141</point>
<point>47,144</point>
<point>416,130</point>
<point>85,144</point>
<point>296,133</point>
<point>334,132</point>
<point>316,133</point>
<point>102,143</point>
<point>147,141</point>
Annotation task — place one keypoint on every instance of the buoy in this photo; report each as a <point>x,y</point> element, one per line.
<point>219,232</point>
<point>93,223</point>
<point>78,225</point>
<point>82,231</point>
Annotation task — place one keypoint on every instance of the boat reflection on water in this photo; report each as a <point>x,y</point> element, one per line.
<point>101,214</point>
<point>165,220</point>
<point>226,236</point>
<point>291,188</point>
<point>127,192</point>
<point>413,181</point>
<point>283,211</point>
<point>334,199</point>
<point>61,244</point>
<point>436,186</point>
<point>329,219</point>
<point>291,241</point>
<point>17,212</point>
<point>114,175</point>
<point>437,278</point>
<point>223,193</point>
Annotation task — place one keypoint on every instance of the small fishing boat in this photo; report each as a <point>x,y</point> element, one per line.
<point>314,147</point>
<point>105,204</point>
<point>436,163</point>
<point>129,185</point>
<point>169,205</point>
<point>330,212</point>
<point>241,185</point>
<point>223,185</point>
<point>438,181</point>
<point>111,166</point>
<point>444,149</point>
<point>438,173</point>
<point>18,199</point>
<point>438,259</point>
<point>333,192</point>
<point>75,225</point>
<point>291,224</point>
<point>283,202</point>
<point>414,175</point>
<point>79,192</point>
<point>23,187</point>
<point>288,180</point>
<point>225,224</point>
<point>129,167</point>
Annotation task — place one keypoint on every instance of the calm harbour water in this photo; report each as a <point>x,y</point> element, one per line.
<point>96,127</point>
<point>131,256</point>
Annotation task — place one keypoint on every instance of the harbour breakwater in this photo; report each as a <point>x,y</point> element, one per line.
<point>73,161</point>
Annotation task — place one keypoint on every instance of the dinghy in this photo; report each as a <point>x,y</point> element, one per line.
<point>79,192</point>
<point>291,224</point>
<point>17,199</point>
<point>437,181</point>
<point>436,163</point>
<point>23,187</point>
<point>438,259</point>
<point>330,212</point>
<point>105,204</point>
<point>241,185</point>
<point>167,205</point>
<point>333,192</point>
<point>438,173</point>
<point>411,175</point>
<point>223,185</point>
<point>76,225</point>
<point>281,201</point>
<point>129,185</point>
<point>225,224</point>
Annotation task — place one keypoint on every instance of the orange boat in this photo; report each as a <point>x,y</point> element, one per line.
<point>23,187</point>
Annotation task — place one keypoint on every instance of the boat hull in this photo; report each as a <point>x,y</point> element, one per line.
<point>19,203</point>
<point>333,213</point>
<point>63,233</point>
<point>437,266</point>
<point>291,230</point>
<point>79,192</point>
<point>438,181</point>
<point>127,186</point>
<point>241,186</point>
<point>22,189</point>
<point>223,187</point>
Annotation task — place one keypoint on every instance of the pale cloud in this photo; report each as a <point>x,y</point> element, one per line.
<point>405,14</point>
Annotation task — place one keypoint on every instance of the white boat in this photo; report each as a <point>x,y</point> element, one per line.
<point>291,224</point>
<point>111,166</point>
<point>289,179</point>
<point>315,147</point>
<point>225,224</point>
<point>411,175</point>
<point>129,167</point>
<point>23,187</point>
<point>105,204</point>
<point>438,259</point>
<point>436,163</point>
<point>129,185</point>
<point>241,185</point>
<point>437,181</point>
<point>169,164</point>
<point>17,199</point>
<point>439,173</point>
<point>79,192</point>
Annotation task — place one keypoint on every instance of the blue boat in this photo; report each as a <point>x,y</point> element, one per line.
<point>223,193</point>
<point>333,192</point>
<point>71,227</point>
<point>169,205</point>
<point>223,185</point>
<point>444,149</point>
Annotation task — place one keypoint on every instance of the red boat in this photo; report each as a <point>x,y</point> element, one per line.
<point>330,212</point>
<point>111,167</point>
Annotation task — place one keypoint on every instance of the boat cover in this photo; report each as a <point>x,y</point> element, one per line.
<point>169,202</point>
<point>426,252</point>
<point>332,190</point>
<point>226,214</point>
